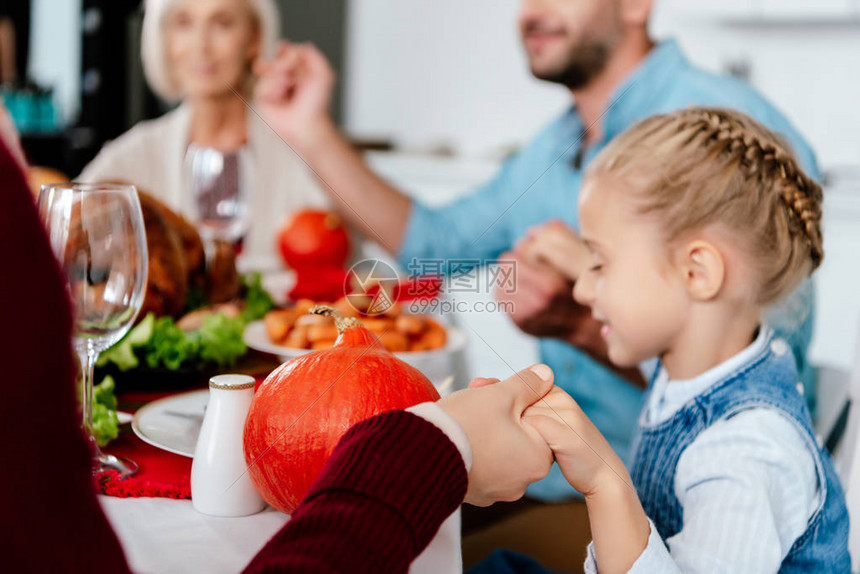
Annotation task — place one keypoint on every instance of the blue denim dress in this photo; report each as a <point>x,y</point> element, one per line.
<point>768,380</point>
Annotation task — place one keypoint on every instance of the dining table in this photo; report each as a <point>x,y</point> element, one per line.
<point>162,535</point>
<point>160,530</point>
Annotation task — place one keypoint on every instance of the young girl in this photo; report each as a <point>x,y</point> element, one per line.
<point>695,221</point>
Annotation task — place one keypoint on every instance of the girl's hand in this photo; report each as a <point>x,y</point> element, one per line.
<point>619,526</point>
<point>585,458</point>
<point>507,454</point>
<point>557,245</point>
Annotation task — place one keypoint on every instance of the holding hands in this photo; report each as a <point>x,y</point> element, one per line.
<point>507,454</point>
<point>542,305</point>
<point>549,259</point>
<point>546,422</point>
<point>516,428</point>
<point>585,458</point>
<point>556,245</point>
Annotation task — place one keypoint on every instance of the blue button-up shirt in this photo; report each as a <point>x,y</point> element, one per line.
<point>542,181</point>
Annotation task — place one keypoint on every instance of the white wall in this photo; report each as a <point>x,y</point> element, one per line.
<point>443,72</point>
<point>55,52</point>
<point>453,72</point>
<point>808,69</point>
<point>838,280</point>
<point>450,72</point>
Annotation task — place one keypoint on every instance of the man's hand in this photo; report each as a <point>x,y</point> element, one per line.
<point>556,245</point>
<point>293,96</point>
<point>543,306</point>
<point>507,455</point>
<point>294,92</point>
<point>539,290</point>
<point>548,260</point>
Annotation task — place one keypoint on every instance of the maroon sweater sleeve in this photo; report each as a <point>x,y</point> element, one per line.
<point>390,483</point>
<point>54,521</point>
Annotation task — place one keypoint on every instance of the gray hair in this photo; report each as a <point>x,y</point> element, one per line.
<point>152,43</point>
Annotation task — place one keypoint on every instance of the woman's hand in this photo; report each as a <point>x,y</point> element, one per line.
<point>294,92</point>
<point>557,245</point>
<point>479,382</point>
<point>507,455</point>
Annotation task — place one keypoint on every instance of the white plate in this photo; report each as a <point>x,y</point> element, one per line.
<point>438,365</point>
<point>256,338</point>
<point>172,423</point>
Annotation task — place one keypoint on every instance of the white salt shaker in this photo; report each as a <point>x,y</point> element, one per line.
<point>220,482</point>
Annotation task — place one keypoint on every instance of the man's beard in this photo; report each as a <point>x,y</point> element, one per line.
<point>585,62</point>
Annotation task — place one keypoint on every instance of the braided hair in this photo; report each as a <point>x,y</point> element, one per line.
<point>704,166</point>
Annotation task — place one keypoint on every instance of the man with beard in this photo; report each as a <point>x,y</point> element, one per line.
<point>601,51</point>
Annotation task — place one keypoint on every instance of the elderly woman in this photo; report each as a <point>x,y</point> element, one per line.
<point>212,158</point>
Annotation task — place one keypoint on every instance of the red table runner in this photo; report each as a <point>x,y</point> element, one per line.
<point>161,473</point>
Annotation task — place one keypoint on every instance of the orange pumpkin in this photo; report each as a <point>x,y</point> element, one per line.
<point>302,409</point>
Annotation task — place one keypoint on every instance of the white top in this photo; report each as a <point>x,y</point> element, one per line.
<point>748,484</point>
<point>151,155</point>
<point>444,553</point>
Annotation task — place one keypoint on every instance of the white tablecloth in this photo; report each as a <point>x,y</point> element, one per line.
<point>162,536</point>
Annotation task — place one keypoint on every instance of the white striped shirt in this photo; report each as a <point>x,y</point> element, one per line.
<point>748,484</point>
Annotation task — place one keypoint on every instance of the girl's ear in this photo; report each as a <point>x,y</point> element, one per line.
<point>704,269</point>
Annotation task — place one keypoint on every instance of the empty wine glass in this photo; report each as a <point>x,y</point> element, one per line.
<point>97,233</point>
<point>219,203</point>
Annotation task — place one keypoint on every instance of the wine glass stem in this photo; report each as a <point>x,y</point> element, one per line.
<point>88,356</point>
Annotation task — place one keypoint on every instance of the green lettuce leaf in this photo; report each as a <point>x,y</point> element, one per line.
<point>258,302</point>
<point>169,346</point>
<point>123,353</point>
<point>219,340</point>
<point>105,420</point>
<point>159,343</point>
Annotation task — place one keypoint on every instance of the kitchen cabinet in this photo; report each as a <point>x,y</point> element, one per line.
<point>763,11</point>
<point>708,9</point>
<point>806,10</point>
